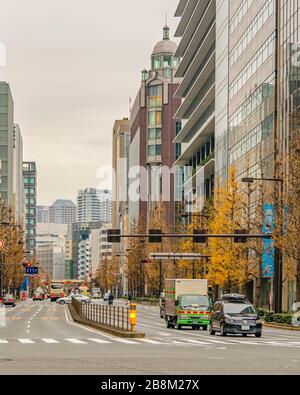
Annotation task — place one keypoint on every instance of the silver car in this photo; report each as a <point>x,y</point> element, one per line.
<point>68,299</point>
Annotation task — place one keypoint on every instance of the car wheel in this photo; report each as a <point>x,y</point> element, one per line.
<point>62,302</point>
<point>211,331</point>
<point>179,326</point>
<point>244,334</point>
<point>204,327</point>
<point>258,334</point>
<point>222,330</point>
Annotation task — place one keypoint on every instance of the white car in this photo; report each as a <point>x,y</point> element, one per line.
<point>68,299</point>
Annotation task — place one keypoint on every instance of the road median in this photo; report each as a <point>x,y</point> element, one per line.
<point>281,326</point>
<point>88,320</point>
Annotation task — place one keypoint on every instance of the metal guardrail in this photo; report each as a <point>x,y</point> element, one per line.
<point>111,316</point>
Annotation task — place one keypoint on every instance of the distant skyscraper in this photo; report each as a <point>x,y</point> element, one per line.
<point>42,214</point>
<point>62,212</point>
<point>30,184</point>
<point>94,205</point>
<point>105,199</point>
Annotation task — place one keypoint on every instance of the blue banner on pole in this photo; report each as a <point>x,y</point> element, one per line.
<point>24,284</point>
<point>268,253</point>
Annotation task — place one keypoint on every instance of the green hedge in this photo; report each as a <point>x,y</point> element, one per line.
<point>283,318</point>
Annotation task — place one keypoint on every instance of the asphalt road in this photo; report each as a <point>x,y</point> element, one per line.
<point>41,338</point>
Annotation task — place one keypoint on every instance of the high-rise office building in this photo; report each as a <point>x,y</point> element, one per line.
<point>94,205</point>
<point>197,50</point>
<point>120,204</point>
<point>30,191</point>
<point>62,212</point>
<point>153,129</point>
<point>6,144</point>
<point>18,182</point>
<point>240,85</point>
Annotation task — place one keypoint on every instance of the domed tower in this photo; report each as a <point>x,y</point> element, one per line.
<point>154,129</point>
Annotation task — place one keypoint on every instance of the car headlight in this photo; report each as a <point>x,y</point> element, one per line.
<point>259,321</point>
<point>184,317</point>
<point>229,321</point>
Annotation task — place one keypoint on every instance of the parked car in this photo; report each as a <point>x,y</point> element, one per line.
<point>68,299</point>
<point>234,314</point>
<point>9,300</point>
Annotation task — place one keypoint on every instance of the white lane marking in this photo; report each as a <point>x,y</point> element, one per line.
<point>150,341</point>
<point>3,341</point>
<point>76,341</point>
<point>100,341</point>
<point>26,341</point>
<point>50,341</point>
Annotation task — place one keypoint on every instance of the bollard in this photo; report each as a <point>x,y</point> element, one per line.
<point>132,316</point>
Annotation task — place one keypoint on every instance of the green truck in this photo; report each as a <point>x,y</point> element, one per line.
<point>187,304</point>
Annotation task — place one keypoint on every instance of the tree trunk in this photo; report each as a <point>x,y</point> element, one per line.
<point>298,282</point>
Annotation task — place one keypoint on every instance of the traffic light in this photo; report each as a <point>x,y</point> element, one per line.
<point>240,240</point>
<point>200,239</point>
<point>113,236</point>
<point>155,239</point>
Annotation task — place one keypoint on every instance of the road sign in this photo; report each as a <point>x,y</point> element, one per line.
<point>2,244</point>
<point>32,270</point>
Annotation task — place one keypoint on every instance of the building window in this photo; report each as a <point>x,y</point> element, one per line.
<point>157,62</point>
<point>151,150</point>
<point>155,96</point>
<point>154,118</point>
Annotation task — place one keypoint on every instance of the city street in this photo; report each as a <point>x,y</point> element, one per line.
<point>41,338</point>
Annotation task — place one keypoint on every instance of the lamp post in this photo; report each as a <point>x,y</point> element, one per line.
<point>277,277</point>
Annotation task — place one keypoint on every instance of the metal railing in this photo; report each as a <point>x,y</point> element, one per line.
<point>111,316</point>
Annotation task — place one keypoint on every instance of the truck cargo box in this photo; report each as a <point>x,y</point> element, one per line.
<point>176,287</point>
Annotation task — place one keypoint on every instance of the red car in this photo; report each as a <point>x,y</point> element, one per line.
<point>38,297</point>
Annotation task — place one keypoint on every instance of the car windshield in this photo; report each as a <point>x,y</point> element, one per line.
<point>239,308</point>
<point>194,301</point>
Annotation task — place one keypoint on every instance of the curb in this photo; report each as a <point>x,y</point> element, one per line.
<point>103,328</point>
<point>282,326</point>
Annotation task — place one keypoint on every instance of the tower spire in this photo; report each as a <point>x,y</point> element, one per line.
<point>166,35</point>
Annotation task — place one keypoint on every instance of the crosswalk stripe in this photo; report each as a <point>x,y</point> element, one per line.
<point>150,341</point>
<point>99,341</point>
<point>76,341</point>
<point>26,341</point>
<point>126,341</point>
<point>245,342</point>
<point>3,341</point>
<point>178,342</point>
<point>50,341</point>
<point>197,341</point>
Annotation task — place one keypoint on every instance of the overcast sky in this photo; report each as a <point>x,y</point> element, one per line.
<point>72,66</point>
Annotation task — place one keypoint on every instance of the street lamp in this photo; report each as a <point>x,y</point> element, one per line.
<point>278,251</point>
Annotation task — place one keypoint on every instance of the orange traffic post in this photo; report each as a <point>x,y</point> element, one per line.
<point>132,316</point>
